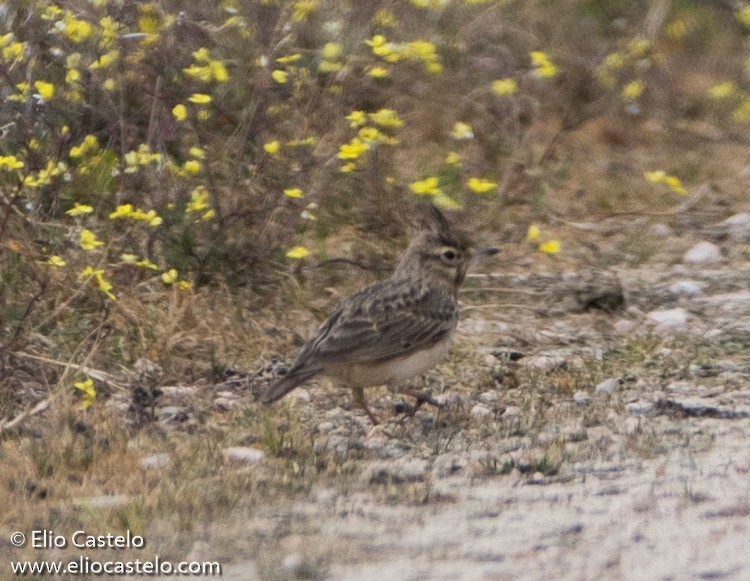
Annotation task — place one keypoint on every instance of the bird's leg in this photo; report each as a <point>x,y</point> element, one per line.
<point>421,398</point>
<point>359,397</point>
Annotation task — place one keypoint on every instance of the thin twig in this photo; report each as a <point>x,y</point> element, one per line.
<point>10,424</point>
<point>97,374</point>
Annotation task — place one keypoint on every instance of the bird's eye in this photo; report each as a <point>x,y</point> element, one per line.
<point>449,255</point>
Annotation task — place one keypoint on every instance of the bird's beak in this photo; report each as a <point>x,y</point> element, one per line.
<point>491,251</point>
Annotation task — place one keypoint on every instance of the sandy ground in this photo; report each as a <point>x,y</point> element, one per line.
<point>646,479</point>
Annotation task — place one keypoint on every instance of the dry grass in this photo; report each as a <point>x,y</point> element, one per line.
<point>565,153</point>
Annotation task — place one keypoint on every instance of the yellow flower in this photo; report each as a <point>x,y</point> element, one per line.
<point>280,76</point>
<point>10,162</point>
<point>179,112</point>
<point>675,185</point>
<point>550,247</point>
<point>722,90</point>
<point>105,60</point>
<point>356,118</point>
<point>122,211</point>
<point>452,158</point>
<point>89,143</point>
<point>462,130</point>
<point>152,218</point>
<point>272,147</point>
<point>614,61</point>
<point>302,8</point>
<point>46,90</point>
<point>386,118</point>
<point>297,252</point>
<point>76,30</point>
<point>654,177</point>
<point>198,200</point>
<point>88,392</point>
<point>638,47</point>
<point>89,241</point>
<point>197,72</point>
<point>197,152</point>
<point>443,201</point>
<point>72,75</point>
<point>384,17</point>
<point>291,58</point>
<point>55,260</point>
<point>192,166</point>
<point>330,67</point>
<point>427,186</point>
<point>331,50</point>
<point>661,177</point>
<point>378,72</point>
<point>200,98</point>
<point>633,90</point>
<point>481,185</point>
<point>104,285</point>
<point>170,276</point>
<point>293,193</point>
<point>218,71</point>
<point>13,51</point>
<point>368,134</point>
<point>533,233</point>
<point>128,258</point>
<point>504,86</point>
<point>540,61</point>
<point>743,15</point>
<point>80,209</point>
<point>109,84</point>
<point>353,149</point>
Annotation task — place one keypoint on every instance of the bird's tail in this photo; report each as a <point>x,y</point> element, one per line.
<point>287,383</point>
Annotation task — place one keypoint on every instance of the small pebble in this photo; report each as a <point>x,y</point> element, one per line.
<point>703,253</point>
<point>480,410</point>
<point>242,454</point>
<point>607,386</point>
<point>581,397</point>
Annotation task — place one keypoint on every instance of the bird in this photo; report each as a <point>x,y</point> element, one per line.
<point>395,329</point>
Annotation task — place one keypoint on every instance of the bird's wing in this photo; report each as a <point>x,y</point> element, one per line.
<point>388,319</point>
<point>385,320</point>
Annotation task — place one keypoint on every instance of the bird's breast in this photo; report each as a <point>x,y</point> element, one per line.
<point>392,371</point>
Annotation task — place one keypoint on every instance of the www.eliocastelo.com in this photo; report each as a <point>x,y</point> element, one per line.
<point>89,565</point>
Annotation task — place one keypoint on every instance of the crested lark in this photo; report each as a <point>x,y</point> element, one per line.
<point>392,330</point>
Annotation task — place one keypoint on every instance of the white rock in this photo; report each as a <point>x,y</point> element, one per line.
<point>713,334</point>
<point>488,397</point>
<point>669,319</point>
<point>292,562</point>
<point>639,407</point>
<point>686,288</point>
<point>480,410</point>
<point>623,326</point>
<point>543,362</point>
<point>741,219</point>
<point>632,425</point>
<point>607,386</point>
<point>301,395</point>
<point>660,231</point>
<point>242,454</point>
<point>512,411</point>
<point>225,403</point>
<point>155,461</point>
<point>703,253</point>
<point>581,397</point>
<point>326,427</point>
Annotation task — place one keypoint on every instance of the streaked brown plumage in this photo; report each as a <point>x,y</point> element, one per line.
<point>392,330</point>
